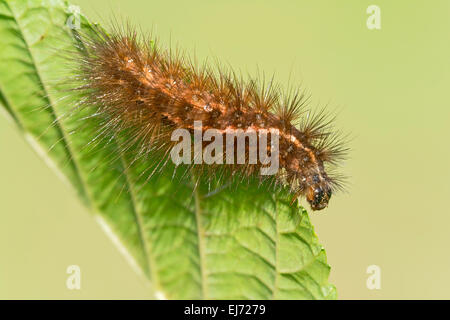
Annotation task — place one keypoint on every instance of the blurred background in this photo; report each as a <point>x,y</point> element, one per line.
<point>390,87</point>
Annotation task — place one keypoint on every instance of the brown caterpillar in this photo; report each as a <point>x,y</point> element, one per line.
<point>149,92</point>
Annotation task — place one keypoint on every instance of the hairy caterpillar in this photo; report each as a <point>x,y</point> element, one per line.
<point>148,92</point>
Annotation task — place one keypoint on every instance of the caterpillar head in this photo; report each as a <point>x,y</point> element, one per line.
<point>319,193</point>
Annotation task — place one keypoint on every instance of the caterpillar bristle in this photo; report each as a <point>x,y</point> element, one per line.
<point>143,93</point>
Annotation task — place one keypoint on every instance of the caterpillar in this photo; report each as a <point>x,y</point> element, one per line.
<point>149,92</point>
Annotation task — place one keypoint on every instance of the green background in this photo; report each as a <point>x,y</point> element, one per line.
<point>390,88</point>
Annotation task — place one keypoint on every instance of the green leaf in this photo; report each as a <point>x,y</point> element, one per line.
<point>235,243</point>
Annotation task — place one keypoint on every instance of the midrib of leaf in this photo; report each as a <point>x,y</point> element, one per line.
<point>146,245</point>
<point>277,274</point>
<point>201,235</point>
<point>9,106</point>
<point>58,124</point>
